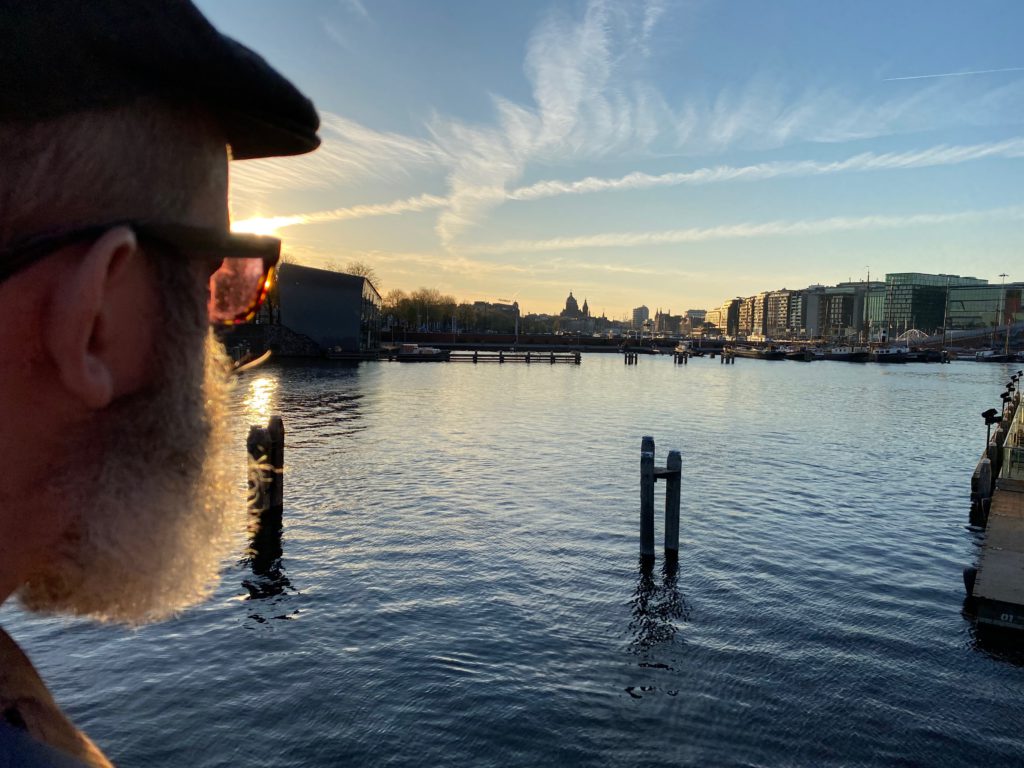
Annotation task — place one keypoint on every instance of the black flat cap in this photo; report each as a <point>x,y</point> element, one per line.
<point>63,56</point>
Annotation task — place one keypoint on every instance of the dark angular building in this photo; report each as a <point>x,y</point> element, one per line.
<point>340,312</point>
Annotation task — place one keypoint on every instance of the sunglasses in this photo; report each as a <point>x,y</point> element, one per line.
<point>238,286</point>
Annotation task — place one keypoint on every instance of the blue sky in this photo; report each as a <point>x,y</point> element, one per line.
<point>672,154</point>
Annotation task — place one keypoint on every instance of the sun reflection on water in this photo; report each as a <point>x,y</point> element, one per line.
<point>261,400</point>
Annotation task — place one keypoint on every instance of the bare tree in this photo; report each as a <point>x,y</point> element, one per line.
<point>363,269</point>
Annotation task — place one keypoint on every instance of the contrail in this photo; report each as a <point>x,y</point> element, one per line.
<point>955,74</point>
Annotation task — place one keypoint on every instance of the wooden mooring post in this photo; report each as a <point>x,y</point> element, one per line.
<point>631,358</point>
<point>266,507</point>
<point>649,474</point>
<point>266,476</point>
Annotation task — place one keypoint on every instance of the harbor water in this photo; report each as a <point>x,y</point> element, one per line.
<point>460,582</point>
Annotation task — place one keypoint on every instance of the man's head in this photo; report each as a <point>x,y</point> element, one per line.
<point>118,495</point>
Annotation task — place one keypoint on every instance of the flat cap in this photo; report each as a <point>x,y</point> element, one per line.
<point>63,56</point>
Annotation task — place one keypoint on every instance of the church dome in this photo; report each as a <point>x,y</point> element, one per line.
<point>571,305</point>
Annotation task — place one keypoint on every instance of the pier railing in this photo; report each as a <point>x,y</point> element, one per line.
<point>1012,447</point>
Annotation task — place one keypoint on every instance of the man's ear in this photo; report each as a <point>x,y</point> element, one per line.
<point>84,314</point>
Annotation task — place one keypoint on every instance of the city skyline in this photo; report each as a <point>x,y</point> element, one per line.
<point>683,152</point>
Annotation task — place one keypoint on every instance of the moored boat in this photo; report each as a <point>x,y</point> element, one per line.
<point>759,353</point>
<point>991,356</point>
<point>802,354</point>
<point>414,353</point>
<point>892,354</point>
<point>843,354</point>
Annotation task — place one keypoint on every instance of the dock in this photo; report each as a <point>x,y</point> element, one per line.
<point>536,358</point>
<point>996,586</point>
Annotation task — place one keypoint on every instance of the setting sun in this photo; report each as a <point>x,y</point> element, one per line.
<point>260,225</point>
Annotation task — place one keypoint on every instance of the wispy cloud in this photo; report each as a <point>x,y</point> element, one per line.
<point>765,113</point>
<point>419,262</point>
<point>940,155</point>
<point>744,230</point>
<point>866,161</point>
<point>345,34</point>
<point>569,65</point>
<point>356,7</point>
<point>954,74</point>
<point>653,11</point>
<point>407,205</point>
<point>591,101</point>
<point>350,152</point>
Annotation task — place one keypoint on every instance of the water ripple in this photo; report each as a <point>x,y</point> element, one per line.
<point>457,580</point>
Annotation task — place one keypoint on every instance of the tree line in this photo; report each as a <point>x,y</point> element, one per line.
<point>427,309</point>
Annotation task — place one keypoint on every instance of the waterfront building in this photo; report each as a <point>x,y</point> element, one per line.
<point>813,311</point>
<point>918,300</point>
<point>666,322</point>
<point>745,317</point>
<point>840,317</point>
<point>696,317</point>
<point>759,315</point>
<point>337,311</point>
<point>874,310</point>
<point>712,321</point>
<point>853,309</point>
<point>988,306</point>
<point>729,317</point>
<point>641,315</point>
<point>777,314</point>
<point>795,315</point>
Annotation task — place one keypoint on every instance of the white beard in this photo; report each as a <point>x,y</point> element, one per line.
<point>157,498</point>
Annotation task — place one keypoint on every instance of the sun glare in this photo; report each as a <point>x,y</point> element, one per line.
<point>261,225</point>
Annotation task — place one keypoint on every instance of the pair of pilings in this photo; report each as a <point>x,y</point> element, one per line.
<point>682,358</point>
<point>728,357</point>
<point>671,473</point>
<point>631,358</point>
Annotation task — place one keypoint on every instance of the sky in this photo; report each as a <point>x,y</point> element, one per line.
<point>670,153</point>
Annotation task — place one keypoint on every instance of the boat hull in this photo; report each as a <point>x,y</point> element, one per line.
<point>996,358</point>
<point>846,357</point>
<point>760,354</point>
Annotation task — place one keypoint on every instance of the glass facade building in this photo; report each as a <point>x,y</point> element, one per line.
<point>918,300</point>
<point>983,306</point>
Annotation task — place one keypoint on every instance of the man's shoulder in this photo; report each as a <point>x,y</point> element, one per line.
<point>19,750</point>
<point>31,719</point>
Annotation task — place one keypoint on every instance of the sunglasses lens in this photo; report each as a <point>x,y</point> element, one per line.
<point>237,289</point>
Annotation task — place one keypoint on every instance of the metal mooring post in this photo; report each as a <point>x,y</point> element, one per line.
<point>649,475</point>
<point>647,498</point>
<point>673,483</point>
